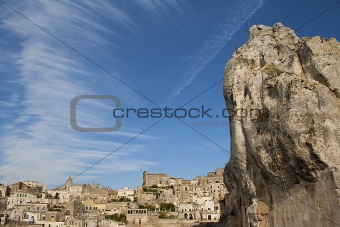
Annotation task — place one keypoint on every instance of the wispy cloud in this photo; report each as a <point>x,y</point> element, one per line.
<point>39,143</point>
<point>43,75</point>
<point>158,7</point>
<point>236,17</point>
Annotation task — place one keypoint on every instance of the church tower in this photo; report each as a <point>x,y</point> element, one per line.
<point>69,183</point>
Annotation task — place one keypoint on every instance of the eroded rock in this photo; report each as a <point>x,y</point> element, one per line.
<point>285,144</point>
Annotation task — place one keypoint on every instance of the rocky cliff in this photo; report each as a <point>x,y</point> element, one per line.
<point>283,95</point>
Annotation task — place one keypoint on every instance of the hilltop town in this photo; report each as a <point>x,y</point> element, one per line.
<point>161,201</point>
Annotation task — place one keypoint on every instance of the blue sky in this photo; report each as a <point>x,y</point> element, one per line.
<point>169,51</point>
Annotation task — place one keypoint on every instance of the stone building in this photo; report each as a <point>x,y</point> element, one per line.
<point>36,211</point>
<point>159,179</point>
<point>89,204</point>
<point>4,190</point>
<point>54,216</point>
<point>126,193</point>
<point>110,223</point>
<point>3,203</point>
<point>146,197</point>
<point>20,199</point>
<point>75,209</point>
<point>74,222</point>
<point>137,216</point>
<point>17,212</point>
<point>101,194</point>
<point>21,187</point>
<point>61,195</point>
<point>213,184</point>
<point>196,199</point>
<point>35,184</point>
<point>116,208</point>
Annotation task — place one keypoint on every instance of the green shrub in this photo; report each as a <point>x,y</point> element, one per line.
<point>148,207</point>
<point>121,199</point>
<point>146,189</point>
<point>116,217</point>
<point>167,206</point>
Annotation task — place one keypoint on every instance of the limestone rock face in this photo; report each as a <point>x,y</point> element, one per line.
<point>283,95</point>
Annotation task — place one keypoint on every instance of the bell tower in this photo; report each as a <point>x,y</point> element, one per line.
<point>69,183</point>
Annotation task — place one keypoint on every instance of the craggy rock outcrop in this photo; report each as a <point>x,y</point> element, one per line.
<point>283,93</point>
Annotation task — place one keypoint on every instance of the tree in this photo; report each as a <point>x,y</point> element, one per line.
<point>124,199</point>
<point>116,217</point>
<point>167,207</point>
<point>121,199</point>
<point>56,196</point>
<point>148,207</point>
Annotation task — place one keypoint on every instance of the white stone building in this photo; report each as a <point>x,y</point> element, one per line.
<point>20,199</point>
<point>126,193</point>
